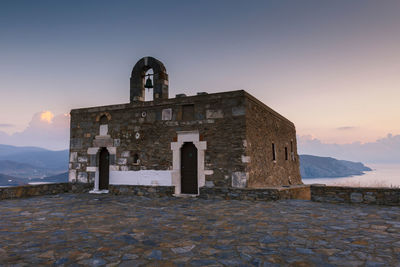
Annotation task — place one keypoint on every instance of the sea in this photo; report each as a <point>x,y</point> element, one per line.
<point>382,175</point>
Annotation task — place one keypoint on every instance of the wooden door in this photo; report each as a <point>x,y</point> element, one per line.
<point>189,169</point>
<point>104,169</point>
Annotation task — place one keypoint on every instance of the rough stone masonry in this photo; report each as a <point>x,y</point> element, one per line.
<point>227,139</point>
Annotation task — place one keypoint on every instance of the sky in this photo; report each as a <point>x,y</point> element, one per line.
<point>331,67</point>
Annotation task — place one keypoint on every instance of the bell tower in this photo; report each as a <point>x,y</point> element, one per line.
<point>137,82</point>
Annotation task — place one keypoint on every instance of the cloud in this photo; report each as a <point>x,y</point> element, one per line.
<point>346,128</point>
<point>384,150</point>
<point>47,116</point>
<point>44,130</point>
<point>6,125</point>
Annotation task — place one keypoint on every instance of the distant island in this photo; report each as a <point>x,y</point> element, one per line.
<point>326,167</point>
<point>23,165</point>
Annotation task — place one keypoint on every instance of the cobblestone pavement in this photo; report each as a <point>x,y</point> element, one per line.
<point>99,230</point>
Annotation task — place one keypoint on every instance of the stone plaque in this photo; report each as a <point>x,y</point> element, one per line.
<point>72,176</point>
<point>214,114</point>
<point>82,177</point>
<point>103,129</point>
<point>238,111</point>
<point>103,142</point>
<point>73,156</point>
<point>239,179</point>
<point>166,114</point>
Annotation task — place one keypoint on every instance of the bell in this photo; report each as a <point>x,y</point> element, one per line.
<point>148,84</point>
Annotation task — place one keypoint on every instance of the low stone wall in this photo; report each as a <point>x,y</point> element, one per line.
<point>42,189</point>
<point>366,195</point>
<point>142,190</point>
<point>319,193</point>
<point>264,194</point>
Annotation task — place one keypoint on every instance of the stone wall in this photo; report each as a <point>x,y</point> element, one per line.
<point>366,195</point>
<point>263,194</point>
<point>147,191</point>
<point>236,128</point>
<point>148,128</point>
<point>265,127</point>
<point>42,189</point>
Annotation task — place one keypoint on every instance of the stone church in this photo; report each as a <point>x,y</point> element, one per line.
<point>227,139</point>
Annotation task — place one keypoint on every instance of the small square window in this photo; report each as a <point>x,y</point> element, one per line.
<point>188,112</point>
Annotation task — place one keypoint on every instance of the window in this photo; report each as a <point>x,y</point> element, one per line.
<point>136,159</point>
<point>273,152</point>
<point>291,150</point>
<point>103,119</point>
<point>286,153</point>
<point>103,125</point>
<point>188,112</point>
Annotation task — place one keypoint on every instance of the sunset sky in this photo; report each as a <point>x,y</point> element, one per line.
<point>332,68</point>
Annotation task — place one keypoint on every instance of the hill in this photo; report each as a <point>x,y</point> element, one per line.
<point>320,167</point>
<point>22,165</point>
<point>24,170</point>
<point>36,156</point>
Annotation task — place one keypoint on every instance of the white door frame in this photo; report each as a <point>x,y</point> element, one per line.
<point>187,136</point>
<point>95,169</point>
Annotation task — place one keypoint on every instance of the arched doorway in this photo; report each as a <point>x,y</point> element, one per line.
<point>104,169</point>
<point>189,169</point>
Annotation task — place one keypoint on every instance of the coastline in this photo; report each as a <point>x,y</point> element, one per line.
<point>381,175</point>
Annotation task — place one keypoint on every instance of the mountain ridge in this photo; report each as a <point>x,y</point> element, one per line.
<point>25,170</point>
<point>328,167</point>
<point>56,160</point>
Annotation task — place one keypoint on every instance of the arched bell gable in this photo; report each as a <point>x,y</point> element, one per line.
<point>160,79</point>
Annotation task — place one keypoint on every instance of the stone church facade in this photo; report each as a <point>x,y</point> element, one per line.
<point>227,139</point>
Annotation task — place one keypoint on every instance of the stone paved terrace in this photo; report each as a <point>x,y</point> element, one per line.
<point>99,230</point>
